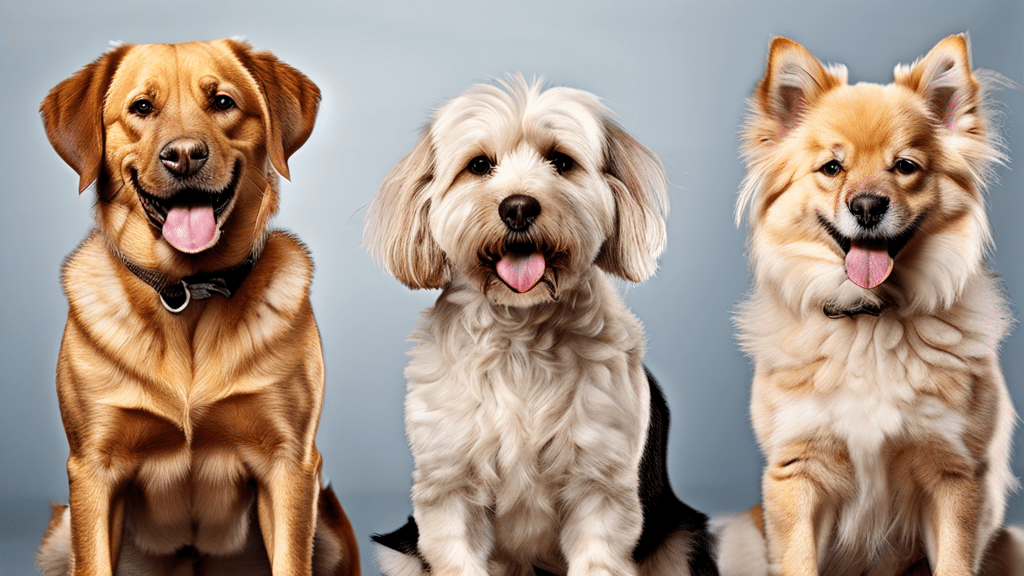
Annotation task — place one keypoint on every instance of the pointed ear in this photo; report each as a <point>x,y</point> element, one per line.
<point>73,116</point>
<point>397,224</point>
<point>290,102</point>
<point>793,79</point>
<point>943,77</point>
<point>637,180</point>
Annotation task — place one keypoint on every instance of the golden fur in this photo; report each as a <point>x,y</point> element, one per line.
<point>191,435</point>
<point>881,409</point>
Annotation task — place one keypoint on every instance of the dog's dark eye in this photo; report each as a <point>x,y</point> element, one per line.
<point>142,107</point>
<point>480,165</point>
<point>906,167</point>
<point>223,102</point>
<point>831,168</point>
<point>561,162</point>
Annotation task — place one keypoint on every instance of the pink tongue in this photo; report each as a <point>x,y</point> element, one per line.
<point>521,273</point>
<point>190,229</point>
<point>868,268</point>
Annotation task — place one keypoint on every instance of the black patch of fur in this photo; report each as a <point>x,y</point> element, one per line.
<point>404,540</point>
<point>664,513</point>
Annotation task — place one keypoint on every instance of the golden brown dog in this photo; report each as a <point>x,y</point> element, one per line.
<point>874,324</point>
<point>190,375</point>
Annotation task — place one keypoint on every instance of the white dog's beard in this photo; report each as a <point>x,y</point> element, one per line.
<point>521,273</point>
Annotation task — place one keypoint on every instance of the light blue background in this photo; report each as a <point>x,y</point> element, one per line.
<point>677,74</point>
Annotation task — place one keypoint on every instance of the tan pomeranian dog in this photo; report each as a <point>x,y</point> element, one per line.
<point>874,324</point>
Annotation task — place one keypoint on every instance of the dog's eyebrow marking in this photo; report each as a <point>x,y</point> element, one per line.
<point>148,89</point>
<point>839,152</point>
<point>209,84</point>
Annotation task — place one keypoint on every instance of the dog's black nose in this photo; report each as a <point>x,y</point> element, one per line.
<point>518,211</point>
<point>184,156</point>
<point>868,209</point>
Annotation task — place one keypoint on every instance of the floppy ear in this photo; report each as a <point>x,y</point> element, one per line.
<point>793,79</point>
<point>73,116</point>
<point>397,223</point>
<point>943,77</point>
<point>637,179</point>
<point>290,102</point>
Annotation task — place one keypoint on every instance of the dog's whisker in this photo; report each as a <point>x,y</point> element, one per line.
<point>120,188</point>
<point>264,207</point>
<point>260,187</point>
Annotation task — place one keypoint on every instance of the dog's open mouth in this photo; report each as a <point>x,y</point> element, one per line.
<point>519,266</point>
<point>188,219</point>
<point>869,261</point>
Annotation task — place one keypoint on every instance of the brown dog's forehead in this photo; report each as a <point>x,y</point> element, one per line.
<point>873,119</point>
<point>176,67</point>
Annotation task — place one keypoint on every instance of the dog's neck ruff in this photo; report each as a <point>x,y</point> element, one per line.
<point>176,295</point>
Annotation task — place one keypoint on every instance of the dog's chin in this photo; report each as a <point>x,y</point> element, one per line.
<point>501,294</point>
<point>189,218</point>
<point>810,277</point>
<point>870,262</point>
<point>849,300</point>
<point>520,274</point>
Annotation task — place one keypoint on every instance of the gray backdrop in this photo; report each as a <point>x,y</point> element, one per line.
<point>677,74</point>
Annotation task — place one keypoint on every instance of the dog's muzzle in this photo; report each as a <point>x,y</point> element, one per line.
<point>869,261</point>
<point>521,266</point>
<point>188,219</point>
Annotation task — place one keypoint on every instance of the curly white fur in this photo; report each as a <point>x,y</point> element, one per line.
<point>526,412</point>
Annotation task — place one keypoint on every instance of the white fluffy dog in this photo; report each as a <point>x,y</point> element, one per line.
<point>538,438</point>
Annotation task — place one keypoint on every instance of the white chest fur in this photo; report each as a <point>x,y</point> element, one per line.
<point>514,410</point>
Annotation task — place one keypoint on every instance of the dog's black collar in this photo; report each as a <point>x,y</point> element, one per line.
<point>834,312</point>
<point>175,295</point>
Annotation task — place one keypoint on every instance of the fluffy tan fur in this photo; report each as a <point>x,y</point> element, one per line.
<point>191,435</point>
<point>526,412</point>
<point>882,412</point>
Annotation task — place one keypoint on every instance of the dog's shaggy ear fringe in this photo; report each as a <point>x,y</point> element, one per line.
<point>291,102</point>
<point>73,115</point>
<point>397,223</point>
<point>637,178</point>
